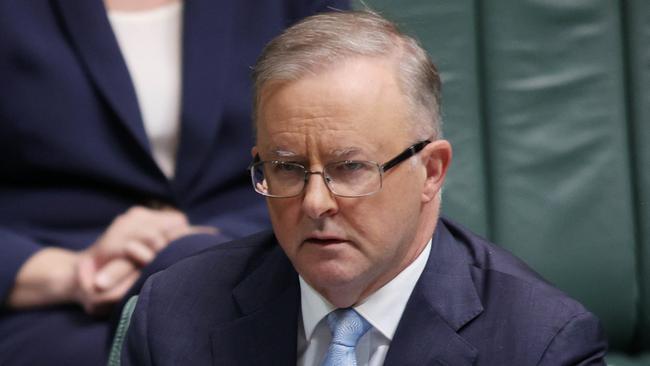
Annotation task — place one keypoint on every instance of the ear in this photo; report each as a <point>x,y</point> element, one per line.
<point>436,158</point>
<point>254,151</point>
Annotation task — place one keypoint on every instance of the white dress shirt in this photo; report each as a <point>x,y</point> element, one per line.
<point>150,41</point>
<point>382,309</point>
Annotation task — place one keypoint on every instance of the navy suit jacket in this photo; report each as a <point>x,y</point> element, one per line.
<point>474,304</point>
<point>73,150</point>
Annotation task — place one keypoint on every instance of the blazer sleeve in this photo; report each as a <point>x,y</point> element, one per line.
<point>16,249</point>
<point>580,342</point>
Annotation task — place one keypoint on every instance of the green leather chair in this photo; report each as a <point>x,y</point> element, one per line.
<point>547,105</point>
<point>120,331</point>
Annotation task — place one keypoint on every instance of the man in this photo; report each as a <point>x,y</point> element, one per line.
<point>359,269</point>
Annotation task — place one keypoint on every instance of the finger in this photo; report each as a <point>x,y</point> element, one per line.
<point>137,217</point>
<point>140,253</point>
<point>137,213</point>
<point>112,273</point>
<point>156,226</point>
<point>180,232</point>
<point>154,238</point>
<point>111,243</point>
<point>169,216</point>
<point>104,301</point>
<point>172,221</point>
<point>116,293</point>
<point>201,229</point>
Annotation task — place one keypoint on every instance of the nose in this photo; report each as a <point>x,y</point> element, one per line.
<point>318,200</point>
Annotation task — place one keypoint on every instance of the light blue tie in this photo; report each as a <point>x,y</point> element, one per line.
<point>347,326</point>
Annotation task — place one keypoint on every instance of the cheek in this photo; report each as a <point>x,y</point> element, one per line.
<point>372,222</point>
<point>284,216</point>
<point>281,206</point>
<point>385,219</point>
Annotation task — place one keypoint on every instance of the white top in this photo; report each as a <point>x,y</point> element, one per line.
<point>150,41</point>
<point>383,310</point>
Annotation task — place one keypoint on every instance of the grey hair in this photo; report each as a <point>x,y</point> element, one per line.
<point>324,40</point>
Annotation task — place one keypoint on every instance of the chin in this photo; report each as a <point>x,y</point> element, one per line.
<point>331,276</point>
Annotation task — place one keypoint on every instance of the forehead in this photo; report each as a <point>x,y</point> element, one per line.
<point>356,105</point>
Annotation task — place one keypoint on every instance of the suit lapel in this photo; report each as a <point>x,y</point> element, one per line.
<point>443,301</point>
<point>269,300</point>
<point>206,45</point>
<point>93,39</point>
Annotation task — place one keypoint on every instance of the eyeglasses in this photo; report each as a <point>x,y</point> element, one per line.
<point>347,178</point>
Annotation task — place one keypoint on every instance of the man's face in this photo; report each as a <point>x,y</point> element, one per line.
<point>352,111</point>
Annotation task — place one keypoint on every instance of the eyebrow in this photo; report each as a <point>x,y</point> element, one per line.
<point>344,153</point>
<point>341,153</point>
<point>283,153</point>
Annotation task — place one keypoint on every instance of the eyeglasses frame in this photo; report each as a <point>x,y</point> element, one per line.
<point>383,168</point>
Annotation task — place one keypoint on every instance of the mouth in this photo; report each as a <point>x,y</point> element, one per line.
<point>324,240</point>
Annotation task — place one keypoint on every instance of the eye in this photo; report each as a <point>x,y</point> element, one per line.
<point>287,168</point>
<point>351,166</point>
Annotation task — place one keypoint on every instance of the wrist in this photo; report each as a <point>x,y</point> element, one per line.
<point>63,278</point>
<point>46,278</point>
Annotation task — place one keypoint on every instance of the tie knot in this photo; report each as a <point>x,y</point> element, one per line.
<point>347,326</point>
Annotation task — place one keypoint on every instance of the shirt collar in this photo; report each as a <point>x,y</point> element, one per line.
<point>382,309</point>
